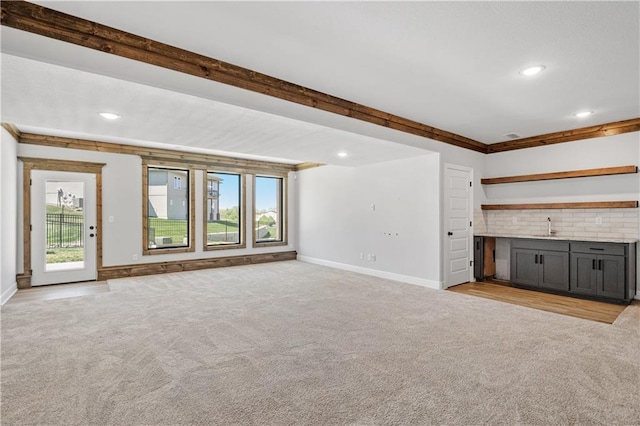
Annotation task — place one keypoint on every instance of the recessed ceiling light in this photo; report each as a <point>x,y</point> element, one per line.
<point>532,70</point>
<point>342,154</point>
<point>583,114</point>
<point>109,115</point>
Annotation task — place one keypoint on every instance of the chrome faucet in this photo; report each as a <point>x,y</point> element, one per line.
<point>549,231</point>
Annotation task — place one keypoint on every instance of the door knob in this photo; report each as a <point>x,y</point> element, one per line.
<point>91,235</point>
<point>91,227</point>
<point>449,233</point>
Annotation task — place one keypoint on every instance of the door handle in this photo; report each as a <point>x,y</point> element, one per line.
<point>536,259</point>
<point>449,233</point>
<point>92,235</point>
<point>91,227</point>
<point>593,264</point>
<point>541,258</point>
<point>600,265</point>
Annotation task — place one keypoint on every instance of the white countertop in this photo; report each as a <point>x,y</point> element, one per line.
<point>559,238</point>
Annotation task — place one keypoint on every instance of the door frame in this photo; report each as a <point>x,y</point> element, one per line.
<point>29,163</point>
<point>445,216</point>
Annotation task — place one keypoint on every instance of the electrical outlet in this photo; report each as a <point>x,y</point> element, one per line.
<point>371,257</point>
<point>372,207</point>
<point>361,255</point>
<point>134,257</point>
<point>112,219</point>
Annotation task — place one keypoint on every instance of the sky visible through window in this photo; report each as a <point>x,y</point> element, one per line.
<point>265,192</point>
<point>228,190</point>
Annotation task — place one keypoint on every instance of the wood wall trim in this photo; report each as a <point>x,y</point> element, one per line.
<point>601,130</point>
<point>579,205</point>
<point>604,171</point>
<point>60,26</point>
<point>159,156</point>
<point>33,163</point>
<point>124,271</point>
<point>305,166</point>
<point>12,129</point>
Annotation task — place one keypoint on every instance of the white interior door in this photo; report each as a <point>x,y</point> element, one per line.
<point>63,227</point>
<point>458,208</point>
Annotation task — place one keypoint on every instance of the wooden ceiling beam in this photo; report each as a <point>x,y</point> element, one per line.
<point>607,129</point>
<point>46,22</point>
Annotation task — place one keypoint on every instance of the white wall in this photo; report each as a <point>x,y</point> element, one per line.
<point>337,223</point>
<point>8,215</point>
<point>122,199</point>
<point>611,151</point>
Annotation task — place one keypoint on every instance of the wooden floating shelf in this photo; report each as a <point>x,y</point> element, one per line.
<point>581,205</point>
<point>605,171</point>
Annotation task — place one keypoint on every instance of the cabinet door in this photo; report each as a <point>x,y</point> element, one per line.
<point>611,277</point>
<point>524,268</point>
<point>554,270</point>
<point>584,273</point>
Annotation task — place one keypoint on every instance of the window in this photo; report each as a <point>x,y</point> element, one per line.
<point>223,211</point>
<point>268,209</point>
<point>168,209</point>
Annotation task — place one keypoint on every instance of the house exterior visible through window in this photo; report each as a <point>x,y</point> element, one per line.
<point>268,209</point>
<point>224,210</point>
<point>167,208</point>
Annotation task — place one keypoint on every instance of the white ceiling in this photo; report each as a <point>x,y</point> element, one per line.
<point>452,65</point>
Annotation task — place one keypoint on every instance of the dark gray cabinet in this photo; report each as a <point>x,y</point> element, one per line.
<point>601,270</point>
<point>543,264</point>
<point>597,274</point>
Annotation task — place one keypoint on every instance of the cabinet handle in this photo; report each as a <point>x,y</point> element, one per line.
<point>541,258</point>
<point>536,259</point>
<point>600,265</point>
<point>596,248</point>
<point>593,264</point>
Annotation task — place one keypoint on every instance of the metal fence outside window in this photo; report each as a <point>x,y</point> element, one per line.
<point>65,230</point>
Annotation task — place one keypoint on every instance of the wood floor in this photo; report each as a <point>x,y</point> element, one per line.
<point>580,308</point>
<point>58,291</point>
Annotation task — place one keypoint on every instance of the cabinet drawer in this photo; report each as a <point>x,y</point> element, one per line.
<point>599,248</point>
<point>540,244</point>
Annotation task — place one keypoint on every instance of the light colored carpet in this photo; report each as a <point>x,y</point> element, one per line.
<point>293,343</point>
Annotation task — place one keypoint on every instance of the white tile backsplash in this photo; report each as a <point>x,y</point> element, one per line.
<point>583,223</point>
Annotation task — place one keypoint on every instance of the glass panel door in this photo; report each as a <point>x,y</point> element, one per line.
<point>64,245</point>
<point>63,229</point>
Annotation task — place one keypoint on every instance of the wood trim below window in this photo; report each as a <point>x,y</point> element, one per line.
<point>29,163</point>
<point>124,271</point>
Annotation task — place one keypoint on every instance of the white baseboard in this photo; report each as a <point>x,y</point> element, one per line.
<point>8,293</point>
<point>435,285</point>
